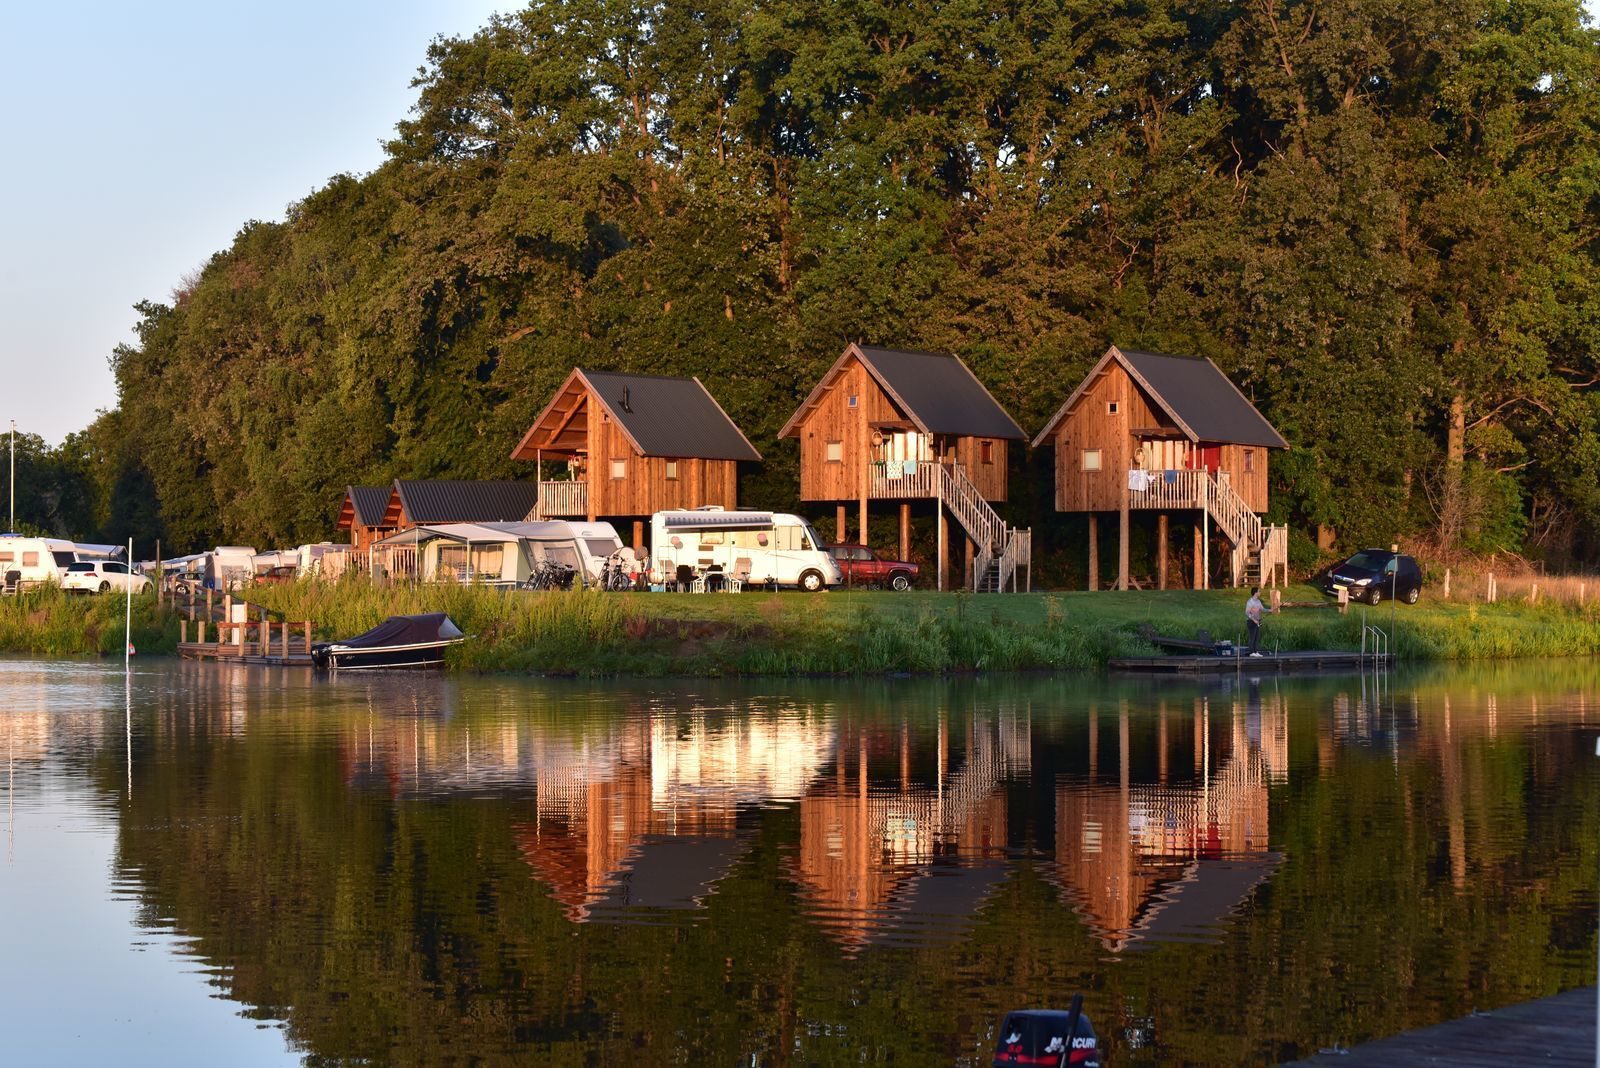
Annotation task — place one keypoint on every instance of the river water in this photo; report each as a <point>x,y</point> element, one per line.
<point>209,864</point>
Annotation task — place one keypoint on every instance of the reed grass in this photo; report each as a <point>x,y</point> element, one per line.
<point>594,634</point>
<point>48,622</point>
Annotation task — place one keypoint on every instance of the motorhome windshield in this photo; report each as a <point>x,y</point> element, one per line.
<point>813,539</point>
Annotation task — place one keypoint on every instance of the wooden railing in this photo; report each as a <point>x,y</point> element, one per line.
<point>562,498</point>
<point>898,481</point>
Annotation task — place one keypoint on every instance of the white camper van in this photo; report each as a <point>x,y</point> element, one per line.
<point>27,562</point>
<point>757,548</point>
<point>230,566</point>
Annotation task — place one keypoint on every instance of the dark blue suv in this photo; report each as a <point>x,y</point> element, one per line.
<point>1372,575</point>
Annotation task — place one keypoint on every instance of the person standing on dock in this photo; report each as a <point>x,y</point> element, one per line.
<point>1252,619</point>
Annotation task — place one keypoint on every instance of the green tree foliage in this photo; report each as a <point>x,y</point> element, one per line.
<point>1379,218</point>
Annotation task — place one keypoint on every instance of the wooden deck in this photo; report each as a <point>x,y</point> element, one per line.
<point>1557,1030</point>
<point>296,656</point>
<point>1267,663</point>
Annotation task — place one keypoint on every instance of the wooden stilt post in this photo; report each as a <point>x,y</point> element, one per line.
<point>905,530</point>
<point>967,554</point>
<point>1094,551</point>
<point>838,525</point>
<point>1161,551</point>
<point>638,538</point>
<point>1199,560</point>
<point>944,549</point>
<point>863,521</point>
<point>1122,540</point>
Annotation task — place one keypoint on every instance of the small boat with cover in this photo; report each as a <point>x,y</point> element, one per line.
<point>397,642</point>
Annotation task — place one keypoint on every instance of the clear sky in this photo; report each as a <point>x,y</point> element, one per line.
<point>141,137</point>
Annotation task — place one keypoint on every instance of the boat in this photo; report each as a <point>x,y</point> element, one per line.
<point>1048,1037</point>
<point>397,642</point>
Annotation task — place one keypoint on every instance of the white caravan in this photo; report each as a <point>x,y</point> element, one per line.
<point>230,566</point>
<point>502,554</point>
<point>757,548</point>
<point>34,561</point>
<point>310,556</point>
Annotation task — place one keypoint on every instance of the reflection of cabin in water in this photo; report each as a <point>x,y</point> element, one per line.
<point>1149,431</point>
<point>632,445</point>
<point>362,514</point>
<point>885,424</point>
<point>1171,859</point>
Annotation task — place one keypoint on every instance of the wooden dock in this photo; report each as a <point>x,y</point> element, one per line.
<point>251,641</point>
<point>1557,1030</point>
<point>1265,664</point>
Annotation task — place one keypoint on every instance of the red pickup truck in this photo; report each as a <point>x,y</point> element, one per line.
<point>863,567</point>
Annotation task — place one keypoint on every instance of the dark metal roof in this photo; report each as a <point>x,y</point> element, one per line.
<point>369,503</point>
<point>467,502</point>
<point>1196,391</point>
<point>674,417</point>
<point>941,393</point>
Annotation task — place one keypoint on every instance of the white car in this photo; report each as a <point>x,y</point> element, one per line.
<point>101,576</point>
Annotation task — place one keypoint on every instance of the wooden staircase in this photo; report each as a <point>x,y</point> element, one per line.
<point>1259,550</point>
<point>1002,548</point>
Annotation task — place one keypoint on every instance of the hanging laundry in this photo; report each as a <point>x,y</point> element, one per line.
<point>1138,480</point>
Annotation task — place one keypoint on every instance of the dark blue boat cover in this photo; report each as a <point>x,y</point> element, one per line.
<point>406,630</point>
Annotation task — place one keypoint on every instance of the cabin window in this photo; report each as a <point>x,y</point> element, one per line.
<point>672,470</point>
<point>836,452</point>
<point>1091,459</point>
<point>619,469</point>
<point>986,451</point>
<point>1113,407</point>
<point>1249,461</point>
<point>30,559</point>
<point>854,400</point>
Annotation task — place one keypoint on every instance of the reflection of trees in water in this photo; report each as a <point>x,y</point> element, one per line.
<point>398,915</point>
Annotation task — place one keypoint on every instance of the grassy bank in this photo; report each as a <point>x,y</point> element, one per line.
<point>48,622</point>
<point>877,633</point>
<point>824,634</point>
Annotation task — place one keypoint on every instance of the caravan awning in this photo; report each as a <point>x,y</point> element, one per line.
<point>718,520</point>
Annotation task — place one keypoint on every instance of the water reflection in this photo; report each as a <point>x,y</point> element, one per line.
<point>491,869</point>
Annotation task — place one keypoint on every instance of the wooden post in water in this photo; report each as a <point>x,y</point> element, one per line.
<point>266,635</point>
<point>308,637</point>
<point>183,631</point>
<point>200,638</point>
<point>285,643</point>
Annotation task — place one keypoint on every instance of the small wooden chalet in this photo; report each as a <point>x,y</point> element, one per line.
<point>361,513</point>
<point>889,424</point>
<point>1149,431</point>
<point>632,445</point>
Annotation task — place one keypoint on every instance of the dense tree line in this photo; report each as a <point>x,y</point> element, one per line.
<point>1379,218</point>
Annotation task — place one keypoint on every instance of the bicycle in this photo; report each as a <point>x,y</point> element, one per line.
<point>614,577</point>
<point>549,575</point>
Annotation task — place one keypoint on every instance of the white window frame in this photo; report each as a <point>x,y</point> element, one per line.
<point>833,452</point>
<point>1092,460</point>
<point>619,469</point>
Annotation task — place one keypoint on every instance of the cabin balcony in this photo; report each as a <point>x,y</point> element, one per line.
<point>1169,490</point>
<point>899,480</point>
<point>568,498</point>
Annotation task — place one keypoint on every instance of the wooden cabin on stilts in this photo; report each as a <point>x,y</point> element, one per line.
<point>887,424</point>
<point>1147,431</point>
<point>628,446</point>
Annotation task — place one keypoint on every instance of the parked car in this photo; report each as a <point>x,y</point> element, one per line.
<point>100,576</point>
<point>863,567</point>
<point>186,583</point>
<point>275,576</point>
<point>1374,574</point>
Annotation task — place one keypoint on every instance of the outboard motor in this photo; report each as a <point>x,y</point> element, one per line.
<point>1048,1037</point>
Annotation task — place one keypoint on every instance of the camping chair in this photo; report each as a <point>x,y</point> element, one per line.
<point>741,574</point>
<point>13,582</point>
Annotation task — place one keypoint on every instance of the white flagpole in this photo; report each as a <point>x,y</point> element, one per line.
<point>127,632</point>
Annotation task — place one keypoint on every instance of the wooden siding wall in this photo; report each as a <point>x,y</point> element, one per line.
<point>1091,426</point>
<point>361,537</point>
<point>646,489</point>
<point>1252,486</point>
<point>834,420</point>
<point>990,478</point>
